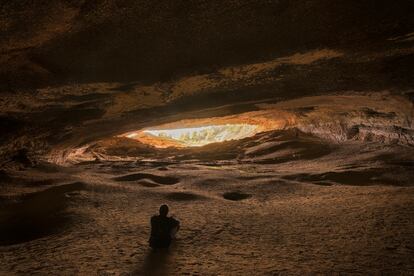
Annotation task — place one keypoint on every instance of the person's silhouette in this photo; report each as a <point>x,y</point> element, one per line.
<point>163,229</point>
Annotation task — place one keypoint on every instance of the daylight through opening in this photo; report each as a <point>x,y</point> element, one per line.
<point>194,136</point>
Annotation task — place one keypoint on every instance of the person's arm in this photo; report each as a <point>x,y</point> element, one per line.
<point>174,226</point>
<point>152,224</point>
<point>176,223</point>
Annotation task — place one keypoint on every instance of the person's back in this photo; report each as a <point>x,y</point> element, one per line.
<point>162,229</point>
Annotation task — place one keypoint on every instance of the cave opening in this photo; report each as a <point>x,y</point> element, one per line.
<point>195,136</point>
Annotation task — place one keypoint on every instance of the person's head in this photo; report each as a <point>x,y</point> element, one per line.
<point>164,210</point>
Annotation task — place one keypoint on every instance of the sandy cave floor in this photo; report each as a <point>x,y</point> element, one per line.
<point>93,219</point>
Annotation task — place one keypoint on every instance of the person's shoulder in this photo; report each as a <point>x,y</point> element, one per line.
<point>173,220</point>
<point>154,217</point>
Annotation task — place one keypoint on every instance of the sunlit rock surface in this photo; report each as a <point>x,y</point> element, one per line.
<point>309,169</point>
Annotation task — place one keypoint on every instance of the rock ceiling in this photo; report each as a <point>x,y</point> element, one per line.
<point>72,72</point>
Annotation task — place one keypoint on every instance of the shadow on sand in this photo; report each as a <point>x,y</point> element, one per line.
<point>36,215</point>
<point>156,263</point>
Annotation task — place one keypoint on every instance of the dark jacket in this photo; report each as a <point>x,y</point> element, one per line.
<point>161,228</point>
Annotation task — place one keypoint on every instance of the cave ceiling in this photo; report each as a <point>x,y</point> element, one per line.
<point>74,71</point>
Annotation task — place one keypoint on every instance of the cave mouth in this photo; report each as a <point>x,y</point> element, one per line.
<point>196,136</point>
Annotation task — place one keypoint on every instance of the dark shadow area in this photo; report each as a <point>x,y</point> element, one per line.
<point>288,145</point>
<point>182,196</point>
<point>164,180</point>
<point>119,44</point>
<point>235,196</point>
<point>41,182</point>
<point>57,115</point>
<point>93,97</point>
<point>4,177</point>
<point>36,215</point>
<point>8,126</point>
<point>156,263</point>
<point>374,176</point>
<point>375,114</point>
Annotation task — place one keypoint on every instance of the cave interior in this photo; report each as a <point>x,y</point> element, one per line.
<point>280,133</point>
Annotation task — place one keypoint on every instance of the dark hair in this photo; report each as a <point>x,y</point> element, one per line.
<point>163,210</point>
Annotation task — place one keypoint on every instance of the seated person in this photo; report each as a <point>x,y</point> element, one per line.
<point>163,229</point>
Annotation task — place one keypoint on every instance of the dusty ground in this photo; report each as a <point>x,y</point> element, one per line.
<point>345,210</point>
